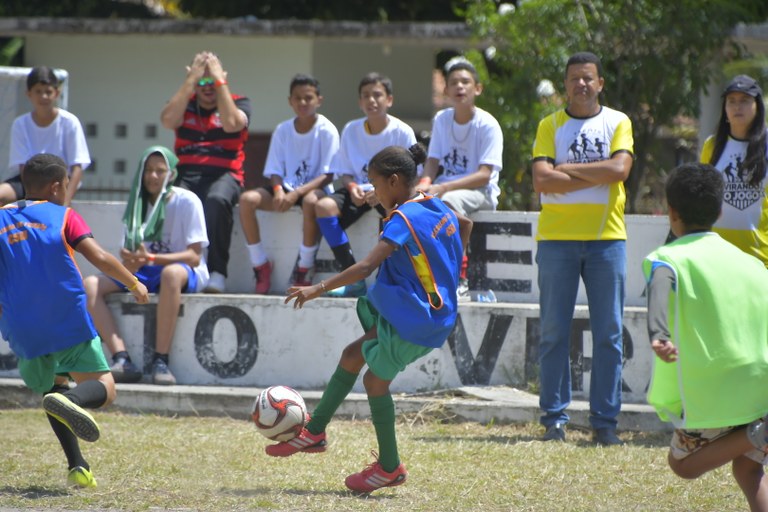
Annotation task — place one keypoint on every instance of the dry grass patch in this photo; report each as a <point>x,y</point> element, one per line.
<point>145,462</point>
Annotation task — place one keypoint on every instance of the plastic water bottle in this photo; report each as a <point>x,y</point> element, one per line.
<point>488,296</point>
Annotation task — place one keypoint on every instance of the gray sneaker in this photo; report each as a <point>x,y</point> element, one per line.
<point>161,374</point>
<point>555,432</point>
<point>125,371</point>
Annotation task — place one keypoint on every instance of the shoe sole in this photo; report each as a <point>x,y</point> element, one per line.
<point>127,377</point>
<point>315,448</point>
<point>74,417</point>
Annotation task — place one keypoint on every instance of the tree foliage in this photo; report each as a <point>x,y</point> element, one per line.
<point>74,9</point>
<point>383,10</point>
<point>657,57</point>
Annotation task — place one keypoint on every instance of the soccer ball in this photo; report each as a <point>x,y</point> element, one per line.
<point>279,413</point>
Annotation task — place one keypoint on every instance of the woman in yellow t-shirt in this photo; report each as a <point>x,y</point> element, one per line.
<point>738,150</point>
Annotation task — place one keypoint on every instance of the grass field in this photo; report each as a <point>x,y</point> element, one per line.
<point>218,464</point>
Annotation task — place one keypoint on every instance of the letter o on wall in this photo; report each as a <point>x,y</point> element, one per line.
<point>247,342</point>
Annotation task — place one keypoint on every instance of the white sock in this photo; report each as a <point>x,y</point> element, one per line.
<point>307,255</point>
<point>257,253</point>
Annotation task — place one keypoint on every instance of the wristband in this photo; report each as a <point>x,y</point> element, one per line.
<point>151,259</point>
<point>426,180</point>
<point>219,83</point>
<point>351,185</point>
<point>134,285</point>
<point>275,188</point>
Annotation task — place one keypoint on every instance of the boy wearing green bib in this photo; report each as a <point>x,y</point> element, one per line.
<point>708,327</point>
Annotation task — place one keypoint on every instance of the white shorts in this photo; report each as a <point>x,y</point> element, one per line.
<point>686,442</point>
<point>467,201</point>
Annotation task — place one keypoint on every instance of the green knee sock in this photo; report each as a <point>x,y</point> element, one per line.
<point>337,390</point>
<point>383,418</point>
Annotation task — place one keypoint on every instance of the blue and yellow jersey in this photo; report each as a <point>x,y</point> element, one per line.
<point>594,213</point>
<point>415,289</point>
<point>744,221</point>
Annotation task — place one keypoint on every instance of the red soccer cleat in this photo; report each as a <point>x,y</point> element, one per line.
<point>374,477</point>
<point>305,442</point>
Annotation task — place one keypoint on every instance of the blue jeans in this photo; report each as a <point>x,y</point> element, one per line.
<point>602,265</point>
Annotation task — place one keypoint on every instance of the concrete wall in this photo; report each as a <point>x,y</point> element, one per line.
<point>502,257</point>
<point>250,340</point>
<point>257,341</point>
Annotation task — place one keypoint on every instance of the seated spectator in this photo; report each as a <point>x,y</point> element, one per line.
<point>298,166</point>
<point>211,127</point>
<point>465,152</point>
<point>164,238</point>
<point>46,129</point>
<point>360,140</point>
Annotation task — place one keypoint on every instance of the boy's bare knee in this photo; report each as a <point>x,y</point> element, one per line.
<point>325,207</point>
<point>352,358</point>
<point>375,386</point>
<point>683,468</point>
<point>109,384</point>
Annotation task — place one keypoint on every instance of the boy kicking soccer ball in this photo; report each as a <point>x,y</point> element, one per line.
<point>44,316</point>
<point>410,310</point>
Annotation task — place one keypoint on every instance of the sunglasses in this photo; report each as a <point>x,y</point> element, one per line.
<point>206,81</point>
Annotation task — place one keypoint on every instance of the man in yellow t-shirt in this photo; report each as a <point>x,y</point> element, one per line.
<point>581,157</point>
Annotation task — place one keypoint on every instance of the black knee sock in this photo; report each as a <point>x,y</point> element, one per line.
<point>69,443</point>
<point>67,439</point>
<point>90,394</point>
<point>343,254</point>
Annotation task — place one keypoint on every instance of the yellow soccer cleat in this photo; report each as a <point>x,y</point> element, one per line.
<point>74,417</point>
<point>81,477</point>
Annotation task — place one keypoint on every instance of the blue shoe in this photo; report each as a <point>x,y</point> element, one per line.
<point>161,374</point>
<point>357,289</point>
<point>80,477</point>
<point>124,370</point>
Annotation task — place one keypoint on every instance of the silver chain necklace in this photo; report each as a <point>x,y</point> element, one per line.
<point>453,132</point>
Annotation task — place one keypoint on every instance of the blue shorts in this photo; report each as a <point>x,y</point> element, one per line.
<point>149,276</point>
<point>39,372</point>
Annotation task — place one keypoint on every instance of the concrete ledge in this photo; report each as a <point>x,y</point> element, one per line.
<point>502,249</point>
<point>255,341</point>
<point>497,404</point>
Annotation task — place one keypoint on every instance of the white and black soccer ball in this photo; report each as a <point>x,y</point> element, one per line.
<point>279,413</point>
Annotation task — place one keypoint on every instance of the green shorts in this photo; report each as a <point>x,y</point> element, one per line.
<point>387,354</point>
<point>39,372</point>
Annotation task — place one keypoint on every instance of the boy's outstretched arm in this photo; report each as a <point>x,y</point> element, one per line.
<point>353,274</point>
<point>110,265</point>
